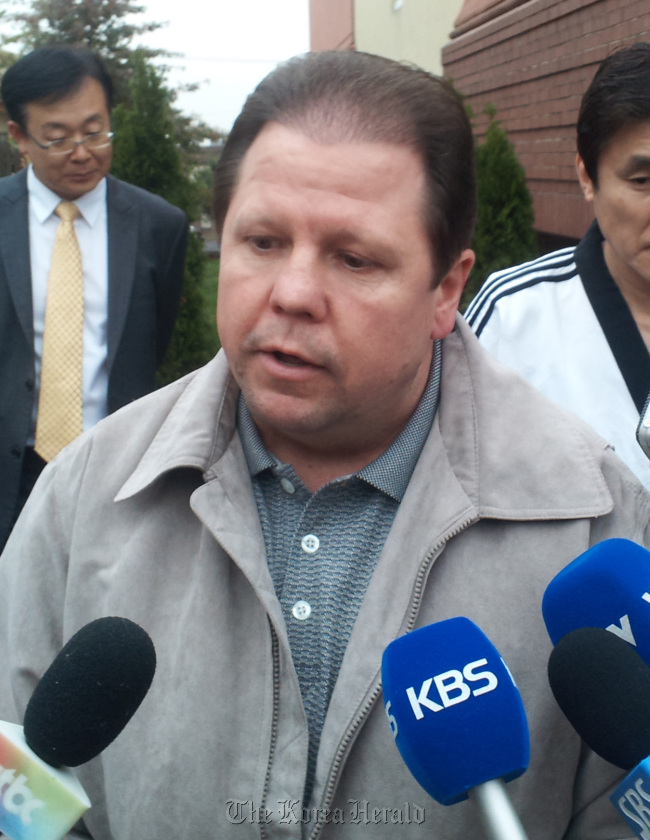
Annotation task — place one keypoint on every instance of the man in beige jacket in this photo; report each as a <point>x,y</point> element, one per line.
<point>350,467</point>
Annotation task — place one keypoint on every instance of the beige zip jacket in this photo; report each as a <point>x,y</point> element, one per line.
<point>151,515</point>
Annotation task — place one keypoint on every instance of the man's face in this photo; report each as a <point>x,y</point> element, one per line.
<point>82,113</point>
<point>325,309</point>
<point>622,203</point>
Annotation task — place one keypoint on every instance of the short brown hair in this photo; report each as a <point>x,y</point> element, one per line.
<point>339,96</point>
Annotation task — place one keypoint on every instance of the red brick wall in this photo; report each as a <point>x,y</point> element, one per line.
<point>534,63</point>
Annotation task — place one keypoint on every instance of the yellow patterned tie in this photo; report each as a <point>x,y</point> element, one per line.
<point>60,415</point>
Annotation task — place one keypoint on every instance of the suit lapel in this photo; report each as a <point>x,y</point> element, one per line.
<point>122,254</point>
<point>14,248</point>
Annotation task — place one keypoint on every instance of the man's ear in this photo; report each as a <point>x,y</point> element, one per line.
<point>18,135</point>
<point>586,183</point>
<point>448,294</point>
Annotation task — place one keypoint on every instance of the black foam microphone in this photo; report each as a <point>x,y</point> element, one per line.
<point>603,687</point>
<point>90,692</point>
<point>82,702</point>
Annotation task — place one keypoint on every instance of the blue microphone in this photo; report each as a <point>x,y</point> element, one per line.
<point>607,586</point>
<point>458,719</point>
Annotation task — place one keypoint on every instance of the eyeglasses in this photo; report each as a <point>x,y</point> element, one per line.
<point>67,145</point>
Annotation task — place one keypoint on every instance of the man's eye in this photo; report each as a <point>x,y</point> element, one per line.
<point>58,141</point>
<point>355,262</point>
<point>263,243</point>
<point>641,180</point>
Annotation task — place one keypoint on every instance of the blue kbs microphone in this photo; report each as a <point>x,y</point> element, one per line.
<point>458,719</point>
<point>607,586</point>
<point>603,687</point>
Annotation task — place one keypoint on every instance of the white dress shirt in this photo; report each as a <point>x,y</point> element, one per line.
<point>92,233</point>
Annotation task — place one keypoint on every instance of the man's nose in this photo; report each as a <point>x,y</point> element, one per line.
<point>299,286</point>
<point>80,151</point>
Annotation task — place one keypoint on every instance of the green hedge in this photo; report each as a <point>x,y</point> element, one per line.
<point>504,234</point>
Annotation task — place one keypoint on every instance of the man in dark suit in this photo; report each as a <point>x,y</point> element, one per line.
<point>132,246</point>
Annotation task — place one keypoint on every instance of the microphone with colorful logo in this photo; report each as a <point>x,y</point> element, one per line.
<point>80,705</point>
<point>458,719</point>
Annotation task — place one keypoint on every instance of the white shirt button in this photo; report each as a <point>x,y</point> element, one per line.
<point>287,486</point>
<point>301,610</point>
<point>310,544</point>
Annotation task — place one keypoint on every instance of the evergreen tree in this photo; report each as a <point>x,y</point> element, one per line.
<point>504,232</point>
<point>103,26</point>
<point>147,149</point>
<point>10,157</point>
<point>147,153</point>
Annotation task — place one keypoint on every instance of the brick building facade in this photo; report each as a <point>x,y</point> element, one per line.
<point>533,60</point>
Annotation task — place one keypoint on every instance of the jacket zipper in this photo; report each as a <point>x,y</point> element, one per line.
<point>356,724</point>
<point>274,725</point>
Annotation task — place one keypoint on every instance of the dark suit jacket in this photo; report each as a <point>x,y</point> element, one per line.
<point>147,241</point>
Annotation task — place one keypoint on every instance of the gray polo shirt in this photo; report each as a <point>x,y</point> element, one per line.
<point>322,547</point>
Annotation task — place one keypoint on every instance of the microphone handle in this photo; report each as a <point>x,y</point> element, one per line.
<point>499,818</point>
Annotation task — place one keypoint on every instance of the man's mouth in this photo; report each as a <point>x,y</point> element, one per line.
<point>288,359</point>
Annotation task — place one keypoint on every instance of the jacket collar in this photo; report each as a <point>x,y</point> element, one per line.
<point>515,454</point>
<point>125,242</point>
<point>196,430</point>
<point>498,449</point>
